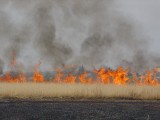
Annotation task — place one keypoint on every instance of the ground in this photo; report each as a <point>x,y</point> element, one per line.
<point>79,110</point>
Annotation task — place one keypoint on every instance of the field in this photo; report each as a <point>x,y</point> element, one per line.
<point>42,91</point>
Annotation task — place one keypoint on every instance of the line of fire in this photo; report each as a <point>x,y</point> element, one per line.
<point>66,74</point>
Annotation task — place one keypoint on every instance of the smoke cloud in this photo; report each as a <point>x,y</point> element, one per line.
<point>46,39</point>
<point>57,32</point>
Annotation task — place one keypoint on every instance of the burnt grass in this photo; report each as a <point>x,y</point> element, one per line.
<point>13,109</point>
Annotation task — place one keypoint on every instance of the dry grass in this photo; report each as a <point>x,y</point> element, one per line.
<point>77,91</point>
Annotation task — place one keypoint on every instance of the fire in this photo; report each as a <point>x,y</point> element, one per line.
<point>38,77</point>
<point>119,76</point>
<point>138,80</point>
<point>19,77</point>
<point>83,78</point>
<point>58,76</point>
<point>70,79</point>
<point>150,78</point>
<point>104,75</point>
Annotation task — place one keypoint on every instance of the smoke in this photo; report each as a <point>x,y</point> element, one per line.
<point>12,38</point>
<point>49,48</point>
<point>57,32</point>
<point>121,45</point>
<point>113,40</point>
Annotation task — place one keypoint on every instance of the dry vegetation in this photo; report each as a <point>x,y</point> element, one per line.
<point>77,91</point>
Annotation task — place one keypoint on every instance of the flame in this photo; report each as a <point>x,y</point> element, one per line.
<point>38,77</point>
<point>138,80</point>
<point>119,76</point>
<point>83,78</point>
<point>20,78</point>
<point>58,76</point>
<point>103,75</point>
<point>149,78</point>
<point>70,79</point>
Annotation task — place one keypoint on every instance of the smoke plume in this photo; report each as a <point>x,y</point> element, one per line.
<point>49,49</point>
<point>57,32</point>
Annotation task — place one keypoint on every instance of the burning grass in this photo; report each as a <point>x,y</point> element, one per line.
<point>64,91</point>
<point>102,83</point>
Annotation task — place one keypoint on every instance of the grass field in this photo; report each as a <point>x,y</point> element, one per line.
<point>77,91</point>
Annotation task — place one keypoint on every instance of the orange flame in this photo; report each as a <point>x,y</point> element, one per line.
<point>38,77</point>
<point>150,78</point>
<point>21,77</point>
<point>103,75</point>
<point>70,79</point>
<point>58,76</point>
<point>83,78</point>
<point>120,76</point>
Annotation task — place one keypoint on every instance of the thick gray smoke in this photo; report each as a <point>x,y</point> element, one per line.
<point>57,32</point>
<point>45,41</point>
